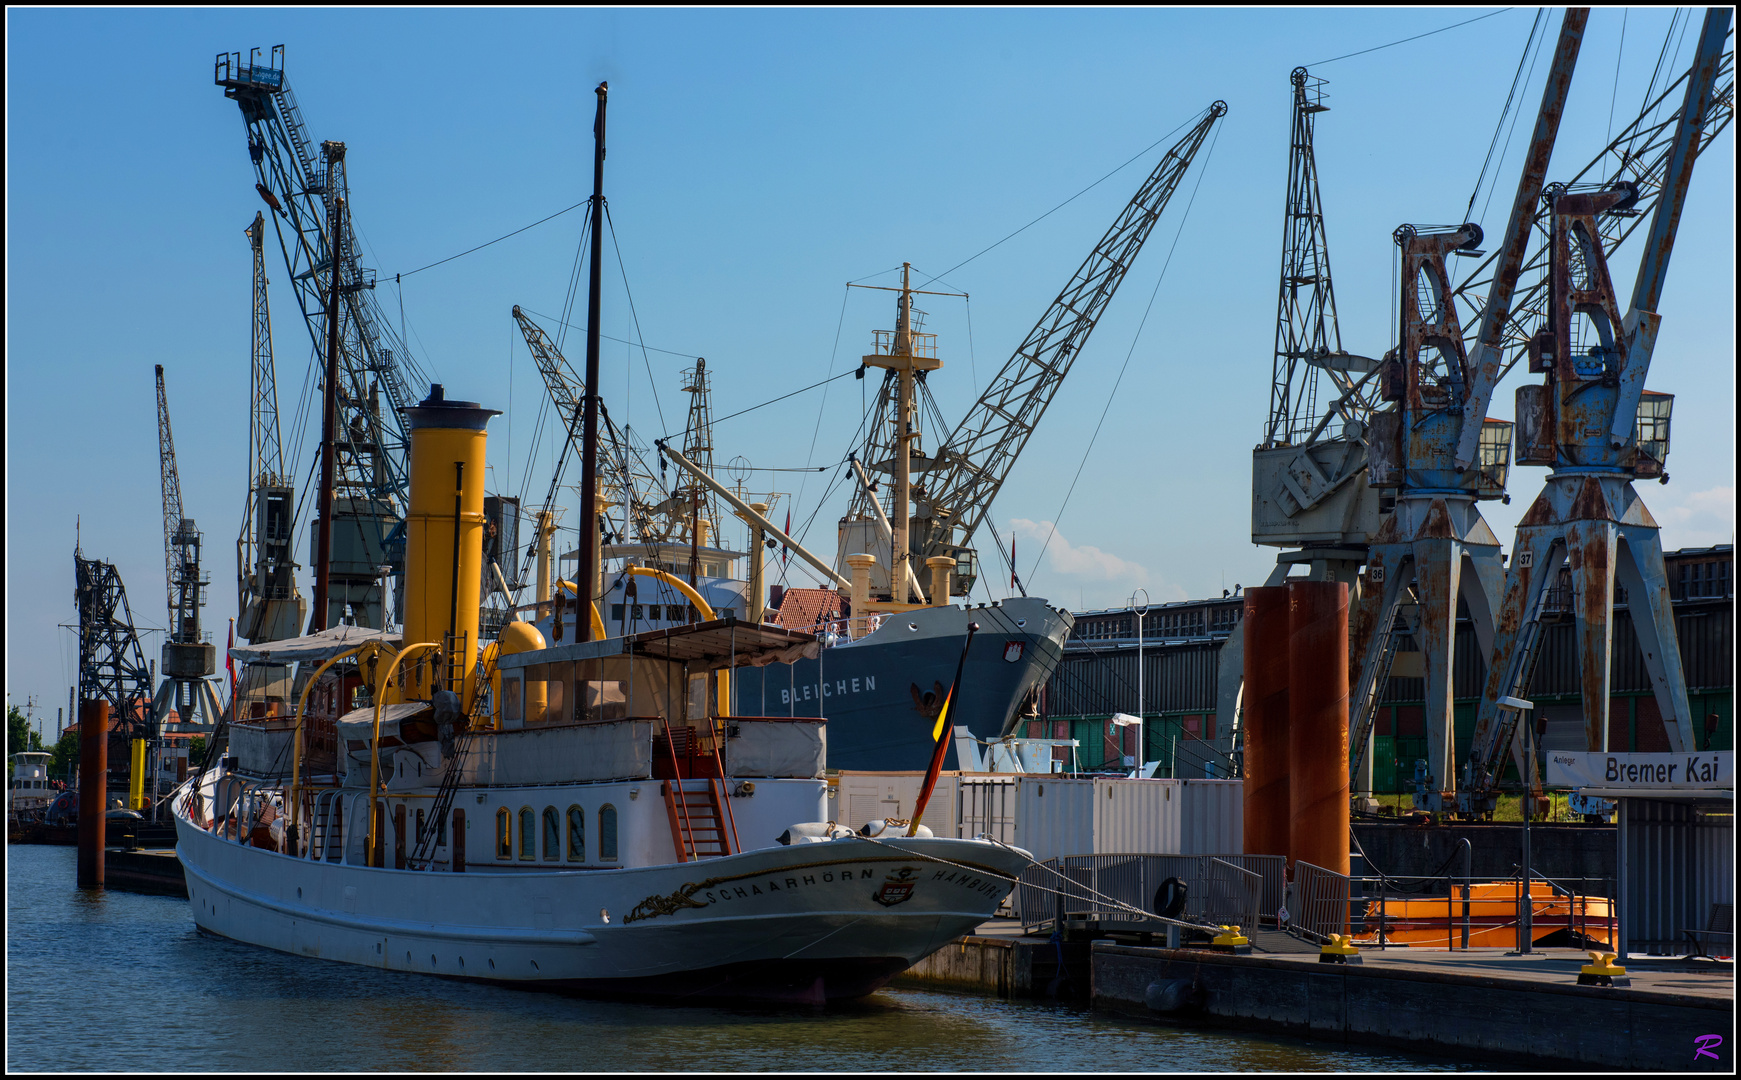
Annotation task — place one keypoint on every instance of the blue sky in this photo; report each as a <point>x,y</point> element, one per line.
<point>758,161</point>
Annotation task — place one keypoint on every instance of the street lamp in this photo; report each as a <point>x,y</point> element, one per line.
<point>1142,727</point>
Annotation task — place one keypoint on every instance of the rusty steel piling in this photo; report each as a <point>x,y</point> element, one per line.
<point>1317,723</point>
<point>1266,721</point>
<point>93,791</point>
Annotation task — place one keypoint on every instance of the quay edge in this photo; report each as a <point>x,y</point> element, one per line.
<point>1501,1019</point>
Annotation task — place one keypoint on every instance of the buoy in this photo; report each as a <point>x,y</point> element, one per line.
<point>894,827</point>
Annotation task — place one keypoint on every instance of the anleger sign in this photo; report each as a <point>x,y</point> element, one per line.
<point>1575,768</point>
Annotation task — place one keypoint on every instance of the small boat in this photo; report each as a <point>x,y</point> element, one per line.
<point>1490,915</point>
<point>29,788</point>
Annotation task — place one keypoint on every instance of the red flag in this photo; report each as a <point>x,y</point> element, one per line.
<point>230,661</point>
<point>1012,560</point>
<point>786,553</point>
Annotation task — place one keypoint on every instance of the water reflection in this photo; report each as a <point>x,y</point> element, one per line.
<point>117,981</point>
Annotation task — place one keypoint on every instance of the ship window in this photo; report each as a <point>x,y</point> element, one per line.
<point>576,834</point>
<point>607,833</point>
<point>528,833</point>
<point>553,698</point>
<point>635,612</point>
<point>420,826</point>
<point>616,613</point>
<point>552,835</point>
<point>511,700</point>
<point>504,835</point>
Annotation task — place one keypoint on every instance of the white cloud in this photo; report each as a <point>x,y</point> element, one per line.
<point>1084,563</point>
<point>1695,518</point>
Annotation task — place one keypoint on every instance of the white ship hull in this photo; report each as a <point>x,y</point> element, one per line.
<point>808,922</point>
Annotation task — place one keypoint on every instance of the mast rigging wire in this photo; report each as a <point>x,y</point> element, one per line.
<point>1417,37</point>
<point>497,240</point>
<point>1132,352</point>
<point>1117,169</point>
<point>1510,97</point>
<point>1512,130</point>
<point>633,315</point>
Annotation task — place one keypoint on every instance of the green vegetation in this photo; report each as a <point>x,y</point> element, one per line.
<point>20,736</point>
<point>65,763</point>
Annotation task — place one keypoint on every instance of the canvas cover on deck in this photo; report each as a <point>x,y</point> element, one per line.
<point>776,747</point>
<point>357,727</point>
<point>725,643</point>
<point>562,753</point>
<point>315,648</point>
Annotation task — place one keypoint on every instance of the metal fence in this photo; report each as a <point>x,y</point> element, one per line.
<point>1449,911</point>
<point>1319,905</point>
<point>1219,889</point>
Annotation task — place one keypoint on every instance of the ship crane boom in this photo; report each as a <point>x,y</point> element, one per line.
<point>973,462</point>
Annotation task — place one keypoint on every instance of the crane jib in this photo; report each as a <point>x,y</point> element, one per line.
<point>977,455</point>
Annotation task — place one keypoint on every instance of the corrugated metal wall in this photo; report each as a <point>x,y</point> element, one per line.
<point>1178,678</point>
<point>1678,860</point>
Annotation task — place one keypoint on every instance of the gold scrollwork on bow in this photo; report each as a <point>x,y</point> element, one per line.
<point>654,906</point>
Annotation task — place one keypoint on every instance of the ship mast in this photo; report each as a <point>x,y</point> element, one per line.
<point>589,546</point>
<point>905,352</point>
<point>328,420</point>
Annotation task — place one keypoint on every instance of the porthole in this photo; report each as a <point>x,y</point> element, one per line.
<point>913,626</point>
<point>1021,622</point>
<point>431,959</point>
<point>534,965</point>
<point>299,892</point>
<point>492,965</point>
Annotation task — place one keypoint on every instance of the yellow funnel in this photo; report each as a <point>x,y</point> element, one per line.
<point>444,542</point>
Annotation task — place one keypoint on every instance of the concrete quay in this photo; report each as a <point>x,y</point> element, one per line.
<point>1480,1004</point>
<point>999,959</point>
<point>144,871</point>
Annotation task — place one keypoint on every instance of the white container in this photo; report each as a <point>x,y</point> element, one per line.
<point>1212,817</point>
<point>1116,816</point>
<point>1054,817</point>
<point>863,797</point>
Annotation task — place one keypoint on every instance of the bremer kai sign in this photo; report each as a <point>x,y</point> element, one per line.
<point>1572,768</point>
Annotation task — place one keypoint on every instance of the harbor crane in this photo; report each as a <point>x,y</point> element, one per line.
<point>1592,421</point>
<point>1435,540</point>
<point>303,185</point>
<point>269,605</point>
<point>189,657</point>
<point>1308,491</point>
<point>965,474</point>
<point>112,664</point>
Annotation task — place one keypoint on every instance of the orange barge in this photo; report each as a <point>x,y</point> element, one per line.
<point>1486,916</point>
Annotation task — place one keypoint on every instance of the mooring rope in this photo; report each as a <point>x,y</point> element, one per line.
<point>1110,901</point>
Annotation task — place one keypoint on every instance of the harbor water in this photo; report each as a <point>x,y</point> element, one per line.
<point>116,981</point>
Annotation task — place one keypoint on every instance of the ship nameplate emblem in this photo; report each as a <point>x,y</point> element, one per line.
<point>897,887</point>
<point>1012,651</point>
